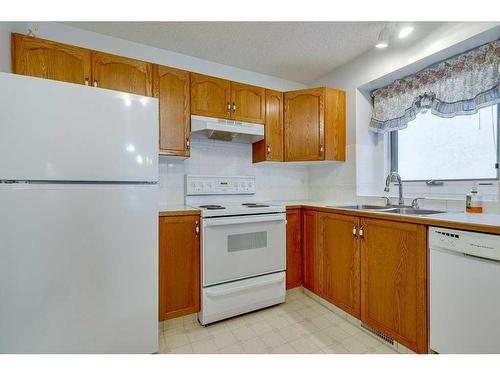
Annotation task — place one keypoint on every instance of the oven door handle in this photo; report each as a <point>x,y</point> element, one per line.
<point>245,220</point>
<point>225,292</point>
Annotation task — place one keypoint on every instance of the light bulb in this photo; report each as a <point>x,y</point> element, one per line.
<point>383,38</point>
<point>405,31</point>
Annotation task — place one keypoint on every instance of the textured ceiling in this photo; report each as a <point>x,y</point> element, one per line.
<point>297,51</point>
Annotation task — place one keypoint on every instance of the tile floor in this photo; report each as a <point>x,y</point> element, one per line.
<point>300,325</point>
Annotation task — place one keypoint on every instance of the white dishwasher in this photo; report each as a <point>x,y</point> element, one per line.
<point>464,291</point>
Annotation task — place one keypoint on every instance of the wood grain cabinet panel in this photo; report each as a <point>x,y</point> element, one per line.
<point>339,246</point>
<point>314,126</point>
<point>248,103</point>
<point>171,87</point>
<point>122,74</point>
<point>312,271</point>
<point>293,248</point>
<point>304,125</point>
<point>179,266</point>
<point>51,60</point>
<point>394,280</point>
<point>210,96</point>
<point>271,147</point>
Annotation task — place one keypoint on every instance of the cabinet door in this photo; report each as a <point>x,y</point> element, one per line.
<point>248,103</point>
<point>293,248</point>
<point>271,147</point>
<point>210,96</point>
<point>311,258</point>
<point>304,125</point>
<point>179,266</point>
<point>122,74</point>
<point>46,59</point>
<point>335,125</point>
<point>171,87</point>
<point>394,281</point>
<point>339,245</point>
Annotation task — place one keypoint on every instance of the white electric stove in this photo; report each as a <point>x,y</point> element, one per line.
<point>242,244</point>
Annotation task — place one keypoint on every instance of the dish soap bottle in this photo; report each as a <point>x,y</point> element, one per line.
<point>473,202</point>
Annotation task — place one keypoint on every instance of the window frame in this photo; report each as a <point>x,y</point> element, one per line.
<point>394,156</point>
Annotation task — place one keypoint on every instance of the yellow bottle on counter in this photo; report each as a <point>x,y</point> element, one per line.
<point>474,201</point>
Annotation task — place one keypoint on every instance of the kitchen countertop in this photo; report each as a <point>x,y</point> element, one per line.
<point>486,223</point>
<point>177,210</point>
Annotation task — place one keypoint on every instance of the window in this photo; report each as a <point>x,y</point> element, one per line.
<point>458,148</point>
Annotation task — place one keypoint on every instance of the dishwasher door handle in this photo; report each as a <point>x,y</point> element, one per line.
<point>481,258</point>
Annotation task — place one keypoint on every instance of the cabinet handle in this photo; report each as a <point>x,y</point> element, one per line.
<point>187,143</point>
<point>95,83</point>
<point>361,232</point>
<point>86,82</point>
<point>234,107</point>
<point>355,231</point>
<point>321,149</point>
<point>228,107</point>
<point>197,229</point>
<point>268,150</point>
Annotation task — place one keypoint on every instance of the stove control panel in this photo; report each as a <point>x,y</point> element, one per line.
<point>219,185</point>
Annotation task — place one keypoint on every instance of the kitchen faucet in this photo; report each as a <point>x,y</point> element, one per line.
<point>389,179</point>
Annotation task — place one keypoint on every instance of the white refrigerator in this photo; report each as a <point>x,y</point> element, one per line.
<point>78,219</point>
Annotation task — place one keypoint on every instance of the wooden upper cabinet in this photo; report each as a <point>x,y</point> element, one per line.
<point>122,74</point>
<point>335,125</point>
<point>210,96</point>
<point>46,59</point>
<point>339,245</point>
<point>304,125</point>
<point>179,266</point>
<point>171,87</point>
<point>293,248</point>
<point>394,281</point>
<point>314,125</point>
<point>248,103</point>
<point>271,147</point>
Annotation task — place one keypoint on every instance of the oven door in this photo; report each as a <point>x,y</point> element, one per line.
<point>242,246</point>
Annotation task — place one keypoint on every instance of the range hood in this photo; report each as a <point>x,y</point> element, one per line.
<point>226,130</point>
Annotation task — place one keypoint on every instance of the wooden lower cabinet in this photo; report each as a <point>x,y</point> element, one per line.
<point>179,266</point>
<point>293,248</point>
<point>394,281</point>
<point>311,258</point>
<point>339,246</point>
<point>374,269</point>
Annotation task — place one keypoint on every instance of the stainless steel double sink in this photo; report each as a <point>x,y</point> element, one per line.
<point>393,209</point>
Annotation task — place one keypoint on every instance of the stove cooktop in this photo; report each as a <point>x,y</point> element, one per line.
<point>209,210</point>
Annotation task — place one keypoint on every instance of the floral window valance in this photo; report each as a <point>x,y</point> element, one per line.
<point>460,85</point>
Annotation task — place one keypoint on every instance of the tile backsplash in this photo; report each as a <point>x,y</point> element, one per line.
<point>288,182</point>
<point>274,181</point>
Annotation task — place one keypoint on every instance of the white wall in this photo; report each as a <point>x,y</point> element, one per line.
<point>377,68</point>
<point>274,182</point>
